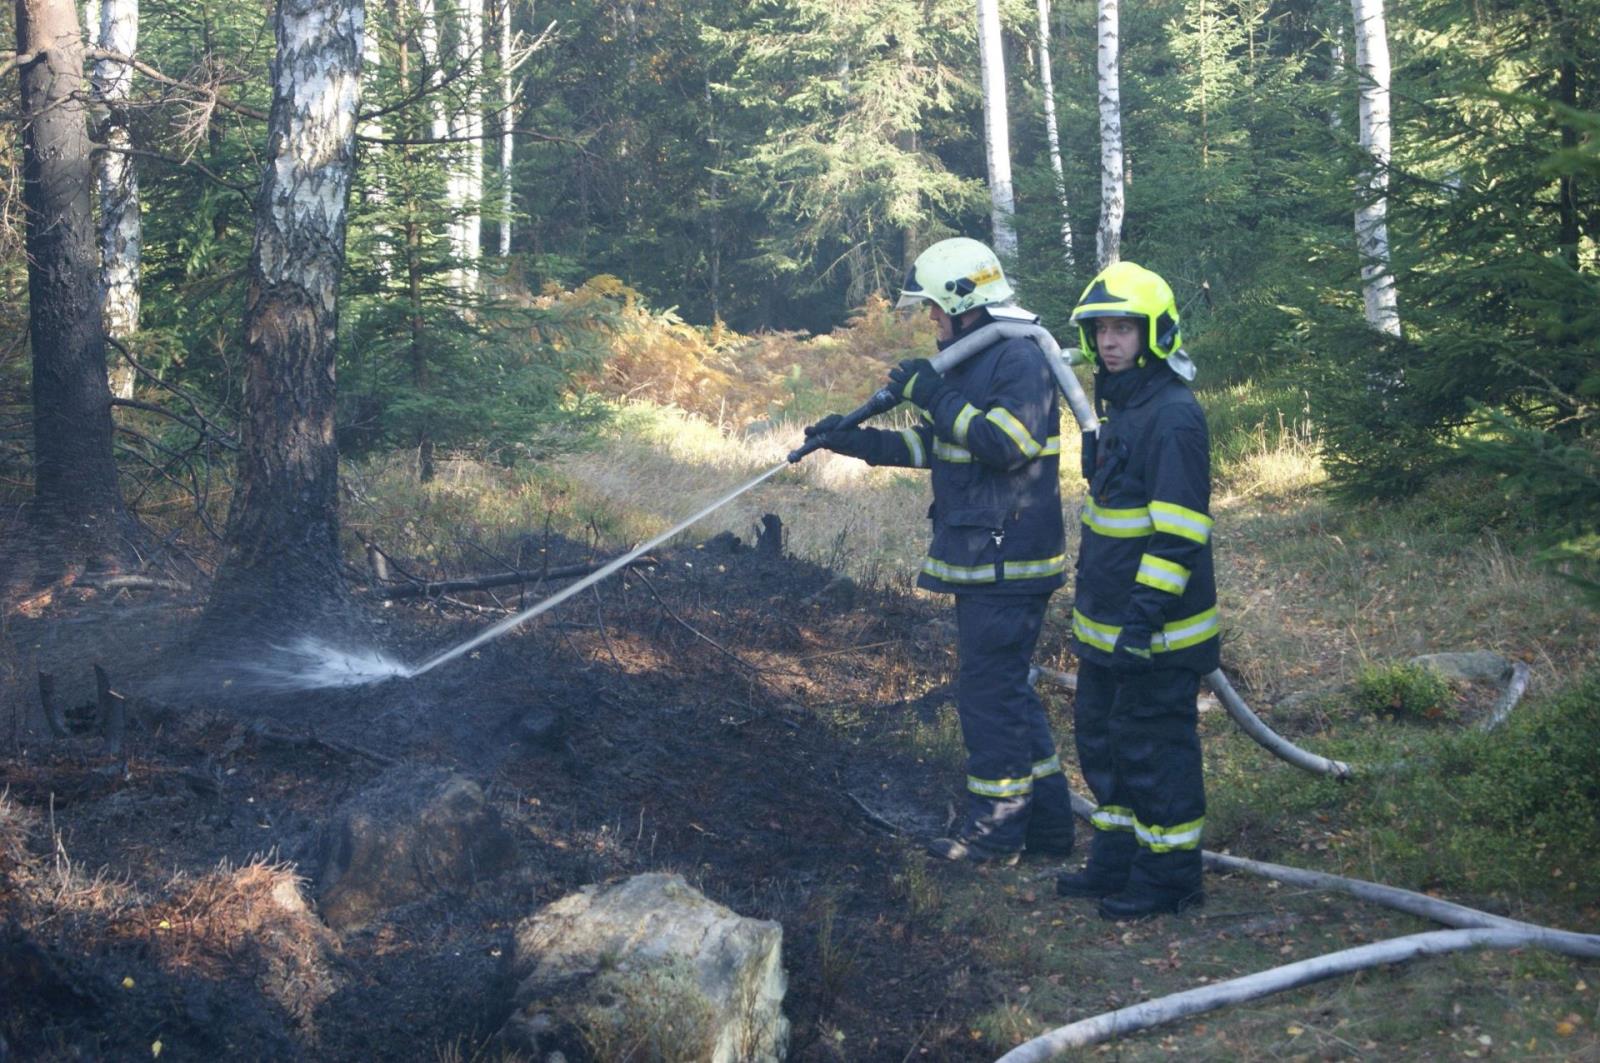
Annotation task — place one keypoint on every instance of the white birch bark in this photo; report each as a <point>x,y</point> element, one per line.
<point>1108,240</point>
<point>120,234</point>
<point>467,129</point>
<point>996,130</point>
<point>508,140</point>
<point>1051,132</point>
<point>1372,226</point>
<point>281,568</point>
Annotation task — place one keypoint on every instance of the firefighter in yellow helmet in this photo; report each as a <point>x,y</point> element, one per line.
<point>988,431</point>
<point>1144,619</point>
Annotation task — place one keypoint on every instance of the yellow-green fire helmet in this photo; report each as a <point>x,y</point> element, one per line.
<point>1127,289</point>
<point>956,274</point>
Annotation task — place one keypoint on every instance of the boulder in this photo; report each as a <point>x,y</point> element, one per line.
<point>1471,666</point>
<point>647,968</point>
<point>412,834</point>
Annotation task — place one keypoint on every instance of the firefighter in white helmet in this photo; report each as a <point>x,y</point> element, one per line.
<point>988,431</point>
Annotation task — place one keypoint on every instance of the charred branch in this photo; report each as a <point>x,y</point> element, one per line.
<point>499,579</point>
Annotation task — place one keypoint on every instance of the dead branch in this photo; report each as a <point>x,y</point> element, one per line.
<point>1167,1009</point>
<point>1267,737</point>
<point>696,632</point>
<point>227,440</point>
<point>873,817</point>
<point>311,741</point>
<point>1515,688</point>
<point>47,699</point>
<point>135,583</point>
<point>499,579</point>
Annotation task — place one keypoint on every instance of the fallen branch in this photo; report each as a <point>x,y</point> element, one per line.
<point>311,741</point>
<point>134,583</point>
<point>500,579</point>
<point>1266,736</point>
<point>1167,1009</point>
<point>873,817</point>
<point>1515,688</point>
<point>696,632</point>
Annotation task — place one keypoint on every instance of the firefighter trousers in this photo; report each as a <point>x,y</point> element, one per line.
<point>1016,793</point>
<point>1139,750</point>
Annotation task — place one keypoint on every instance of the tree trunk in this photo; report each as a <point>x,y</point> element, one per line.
<point>996,130</point>
<point>121,234</point>
<point>1372,226</point>
<point>1052,133</point>
<point>1108,240</point>
<point>282,551</point>
<point>77,513</point>
<point>508,140</point>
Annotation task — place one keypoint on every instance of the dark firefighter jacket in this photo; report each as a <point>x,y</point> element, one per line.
<point>1146,550</point>
<point>993,444</point>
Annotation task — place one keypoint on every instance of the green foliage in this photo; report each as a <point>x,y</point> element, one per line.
<point>1556,479</point>
<point>1405,692</point>
<point>1530,791</point>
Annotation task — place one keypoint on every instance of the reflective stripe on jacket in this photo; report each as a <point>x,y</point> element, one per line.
<point>994,447</point>
<point>1145,556</point>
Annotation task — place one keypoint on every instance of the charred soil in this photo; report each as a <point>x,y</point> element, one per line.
<point>736,716</point>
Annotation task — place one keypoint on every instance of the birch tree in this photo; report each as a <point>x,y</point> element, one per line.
<point>121,233</point>
<point>508,139</point>
<point>1052,131</point>
<point>1372,226</point>
<point>282,542</point>
<point>1108,240</point>
<point>466,127</point>
<point>996,130</point>
<point>77,512</point>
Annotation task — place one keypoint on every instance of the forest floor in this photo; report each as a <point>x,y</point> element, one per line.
<point>777,734</point>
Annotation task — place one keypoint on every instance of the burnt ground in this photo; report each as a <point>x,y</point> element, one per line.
<point>738,717</point>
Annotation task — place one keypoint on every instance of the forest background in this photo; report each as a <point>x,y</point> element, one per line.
<point>756,168</point>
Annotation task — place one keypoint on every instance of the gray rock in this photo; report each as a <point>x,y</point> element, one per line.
<point>414,833</point>
<point>1472,666</point>
<point>648,964</point>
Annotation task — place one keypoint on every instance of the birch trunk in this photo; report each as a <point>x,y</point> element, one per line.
<point>77,509</point>
<point>1108,240</point>
<point>508,140</point>
<point>1372,227</point>
<point>467,129</point>
<point>281,566</point>
<point>996,130</point>
<point>1052,133</point>
<point>121,235</point>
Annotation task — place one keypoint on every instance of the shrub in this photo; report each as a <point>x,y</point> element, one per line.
<point>1527,796</point>
<point>1405,692</point>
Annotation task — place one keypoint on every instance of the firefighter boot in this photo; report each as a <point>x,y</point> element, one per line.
<point>1051,831</point>
<point>1110,856</point>
<point>991,834</point>
<point>1158,884</point>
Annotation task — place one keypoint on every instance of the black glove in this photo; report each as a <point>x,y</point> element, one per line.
<point>1132,650</point>
<point>828,424</point>
<point>917,381</point>
<point>827,434</point>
